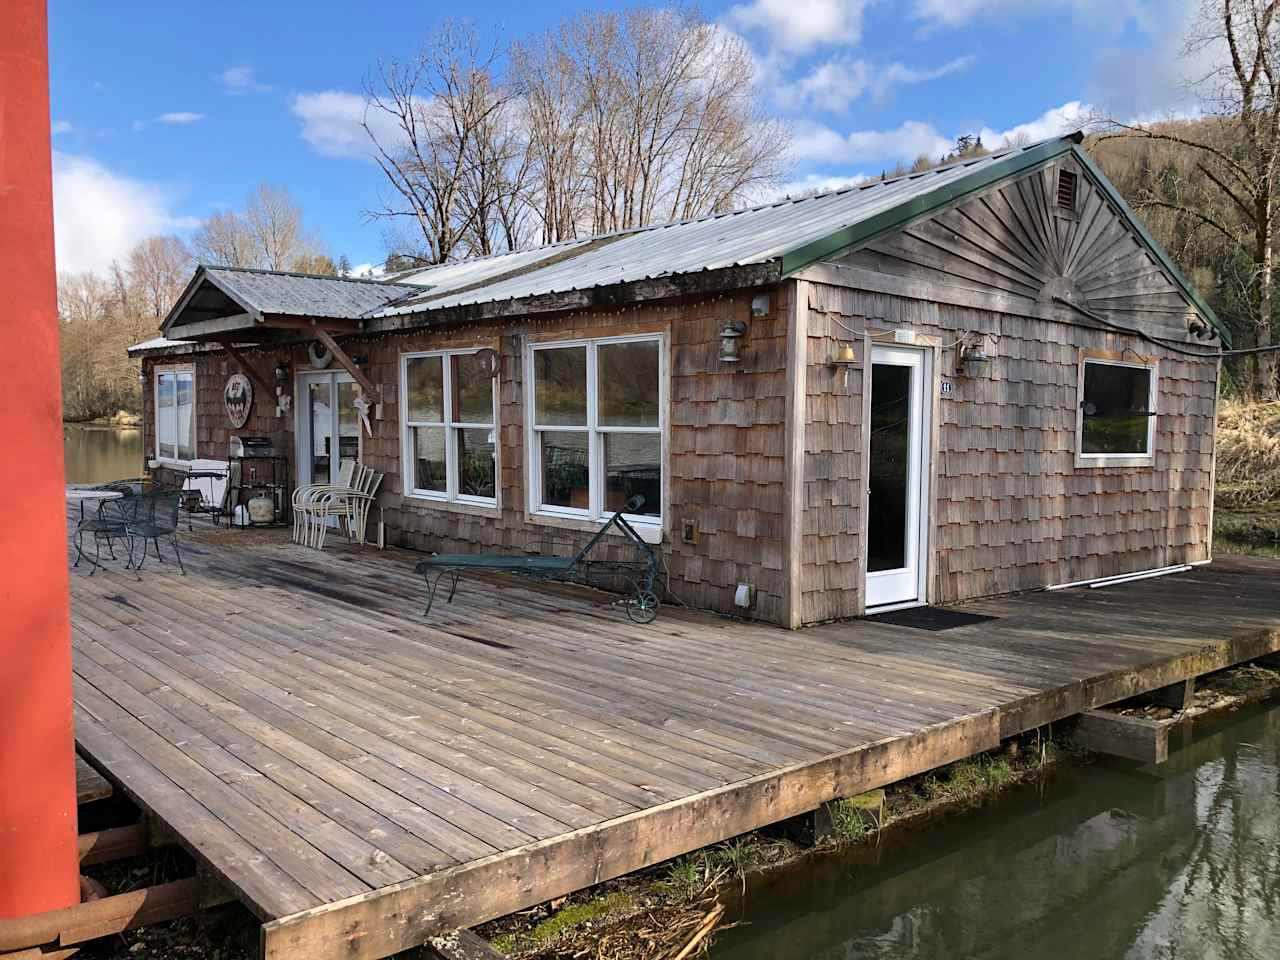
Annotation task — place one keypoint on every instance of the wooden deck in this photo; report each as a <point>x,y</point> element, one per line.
<point>362,778</point>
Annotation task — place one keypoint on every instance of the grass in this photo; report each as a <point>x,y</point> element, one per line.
<point>693,874</point>
<point>1248,455</point>
<point>565,920</point>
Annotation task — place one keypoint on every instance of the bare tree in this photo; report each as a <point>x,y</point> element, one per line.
<point>611,121</point>
<point>158,269</point>
<point>270,235</point>
<point>1234,190</point>
<point>436,106</point>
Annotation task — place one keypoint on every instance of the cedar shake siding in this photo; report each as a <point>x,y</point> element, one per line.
<point>725,447</point>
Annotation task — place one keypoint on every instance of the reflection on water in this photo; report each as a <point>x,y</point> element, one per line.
<point>96,454</point>
<point>1109,862</point>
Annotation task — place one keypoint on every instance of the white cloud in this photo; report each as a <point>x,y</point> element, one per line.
<point>99,215</point>
<point>241,79</point>
<point>179,117</point>
<point>817,183</point>
<point>1054,122</point>
<point>835,85</point>
<point>331,123</point>
<point>815,143</point>
<point>61,126</point>
<point>797,26</point>
<point>1101,15</point>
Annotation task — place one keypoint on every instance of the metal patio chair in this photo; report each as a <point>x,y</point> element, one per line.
<point>305,497</point>
<point>349,507</point>
<point>147,518</point>
<point>641,573</point>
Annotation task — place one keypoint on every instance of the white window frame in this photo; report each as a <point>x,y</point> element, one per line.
<point>451,428</point>
<point>649,527</point>
<point>175,369</point>
<point>1118,459</point>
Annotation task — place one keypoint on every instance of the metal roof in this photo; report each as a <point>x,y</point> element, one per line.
<point>788,234</point>
<point>305,295</point>
<point>752,236</point>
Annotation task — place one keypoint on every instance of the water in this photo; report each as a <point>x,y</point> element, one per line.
<point>95,454</point>
<point>1108,862</point>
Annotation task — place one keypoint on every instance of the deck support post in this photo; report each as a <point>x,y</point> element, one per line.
<point>39,868</point>
<point>1178,696</point>
<point>460,945</point>
<point>1135,738</point>
<point>810,829</point>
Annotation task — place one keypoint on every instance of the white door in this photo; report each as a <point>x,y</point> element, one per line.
<point>898,477</point>
<point>328,425</point>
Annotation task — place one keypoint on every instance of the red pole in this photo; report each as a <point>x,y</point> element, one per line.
<point>38,865</point>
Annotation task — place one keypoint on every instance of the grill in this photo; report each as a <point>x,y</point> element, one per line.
<point>252,447</point>
<point>258,483</point>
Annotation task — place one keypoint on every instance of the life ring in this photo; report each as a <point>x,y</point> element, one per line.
<point>319,355</point>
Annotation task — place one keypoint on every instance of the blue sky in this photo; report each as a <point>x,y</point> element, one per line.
<point>165,113</point>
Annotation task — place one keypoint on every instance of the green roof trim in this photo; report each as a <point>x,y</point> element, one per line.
<point>986,176</point>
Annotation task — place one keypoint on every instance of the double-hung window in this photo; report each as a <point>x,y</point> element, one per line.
<point>448,427</point>
<point>175,399</point>
<point>1117,415</point>
<point>596,427</point>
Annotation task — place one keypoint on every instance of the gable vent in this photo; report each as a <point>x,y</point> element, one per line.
<point>1066,190</point>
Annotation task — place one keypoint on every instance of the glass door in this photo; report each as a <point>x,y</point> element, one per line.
<point>328,426</point>
<point>897,477</point>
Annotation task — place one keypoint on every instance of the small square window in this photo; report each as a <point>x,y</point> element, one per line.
<point>1117,412</point>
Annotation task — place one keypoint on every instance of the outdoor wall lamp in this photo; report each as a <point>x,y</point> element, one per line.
<point>730,340</point>
<point>361,360</point>
<point>282,372</point>
<point>971,358</point>
<point>845,355</point>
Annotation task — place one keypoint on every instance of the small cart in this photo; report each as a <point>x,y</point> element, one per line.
<point>641,573</point>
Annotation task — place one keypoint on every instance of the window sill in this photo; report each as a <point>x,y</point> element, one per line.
<point>1095,461</point>
<point>650,532</point>
<point>452,506</point>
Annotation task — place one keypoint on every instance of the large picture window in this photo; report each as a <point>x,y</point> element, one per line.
<point>597,418</point>
<point>448,427</point>
<point>1117,411</point>
<point>175,399</point>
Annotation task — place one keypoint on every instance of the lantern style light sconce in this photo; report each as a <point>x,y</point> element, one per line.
<point>282,372</point>
<point>845,355</point>
<point>361,360</point>
<point>730,340</point>
<point>971,358</point>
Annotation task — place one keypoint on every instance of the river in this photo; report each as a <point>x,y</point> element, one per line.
<point>95,454</point>
<point>1111,861</point>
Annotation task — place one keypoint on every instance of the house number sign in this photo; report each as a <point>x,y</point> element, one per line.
<point>237,397</point>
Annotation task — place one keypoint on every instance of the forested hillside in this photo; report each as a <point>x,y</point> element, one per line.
<point>1166,184</point>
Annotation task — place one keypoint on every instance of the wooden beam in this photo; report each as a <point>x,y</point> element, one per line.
<point>796,410</point>
<point>114,844</point>
<point>346,363</point>
<point>1136,738</point>
<point>249,371</point>
<point>1177,696</point>
<point>382,922</point>
<point>461,945</point>
<point>212,328</point>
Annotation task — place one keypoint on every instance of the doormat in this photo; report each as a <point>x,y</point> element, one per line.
<point>929,618</point>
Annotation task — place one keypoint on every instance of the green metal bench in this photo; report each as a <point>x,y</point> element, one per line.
<point>641,573</point>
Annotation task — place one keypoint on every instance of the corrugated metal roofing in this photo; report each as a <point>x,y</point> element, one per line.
<point>157,343</point>
<point>753,236</point>
<point>303,295</point>
<point>790,233</point>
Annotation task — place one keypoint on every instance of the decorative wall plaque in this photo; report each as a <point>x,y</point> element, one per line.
<point>237,396</point>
